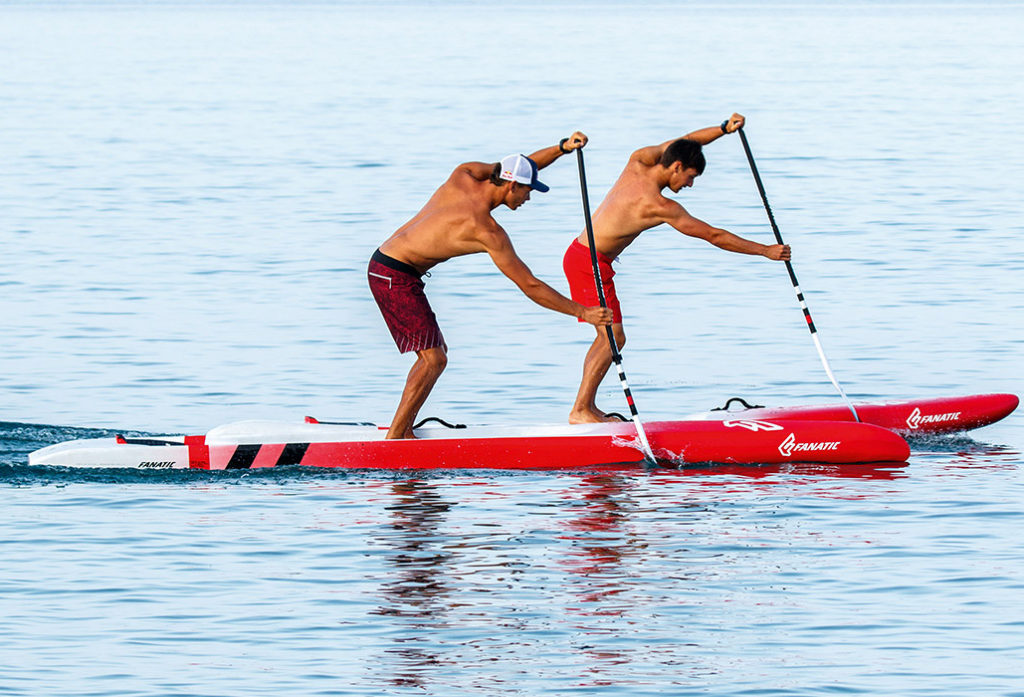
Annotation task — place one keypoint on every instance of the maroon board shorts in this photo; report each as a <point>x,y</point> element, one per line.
<point>398,290</point>
<point>579,271</point>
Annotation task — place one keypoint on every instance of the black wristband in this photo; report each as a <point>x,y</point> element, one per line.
<point>724,125</point>
<point>561,146</point>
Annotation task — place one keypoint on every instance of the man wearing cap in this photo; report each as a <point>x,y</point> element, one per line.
<point>457,221</point>
<point>635,203</point>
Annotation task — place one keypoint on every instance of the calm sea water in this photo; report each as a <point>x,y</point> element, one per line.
<point>189,195</point>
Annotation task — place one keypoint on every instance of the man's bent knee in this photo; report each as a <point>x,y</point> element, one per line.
<point>434,358</point>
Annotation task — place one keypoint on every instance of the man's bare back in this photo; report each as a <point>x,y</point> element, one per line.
<point>457,221</point>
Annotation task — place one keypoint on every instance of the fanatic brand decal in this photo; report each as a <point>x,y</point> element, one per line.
<point>790,446</point>
<point>917,419</point>
<point>150,465</point>
<point>754,425</point>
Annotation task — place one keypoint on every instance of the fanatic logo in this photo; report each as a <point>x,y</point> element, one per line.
<point>790,446</point>
<point>754,425</point>
<point>917,419</point>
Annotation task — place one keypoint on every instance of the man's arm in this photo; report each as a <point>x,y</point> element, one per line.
<point>677,217</point>
<point>546,156</point>
<point>651,155</point>
<point>508,262</point>
<point>481,171</point>
<point>713,133</point>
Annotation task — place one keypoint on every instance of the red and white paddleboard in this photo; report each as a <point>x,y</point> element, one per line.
<point>914,416</point>
<point>253,444</point>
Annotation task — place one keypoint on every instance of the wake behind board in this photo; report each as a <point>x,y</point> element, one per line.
<point>909,417</point>
<point>255,444</point>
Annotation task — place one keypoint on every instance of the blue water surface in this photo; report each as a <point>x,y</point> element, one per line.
<point>190,193</point>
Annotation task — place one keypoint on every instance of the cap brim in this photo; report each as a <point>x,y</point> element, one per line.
<point>539,186</point>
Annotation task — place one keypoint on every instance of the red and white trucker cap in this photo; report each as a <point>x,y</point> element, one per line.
<point>520,168</point>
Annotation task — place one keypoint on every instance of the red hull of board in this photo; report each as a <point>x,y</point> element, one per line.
<point>742,441</point>
<point>917,416</point>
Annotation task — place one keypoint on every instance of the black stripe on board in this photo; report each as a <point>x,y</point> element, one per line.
<point>243,456</point>
<point>292,454</point>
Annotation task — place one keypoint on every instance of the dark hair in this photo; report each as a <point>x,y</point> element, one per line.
<point>495,175</point>
<point>686,151</point>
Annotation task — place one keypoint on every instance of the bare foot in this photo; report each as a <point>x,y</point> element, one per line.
<point>590,416</point>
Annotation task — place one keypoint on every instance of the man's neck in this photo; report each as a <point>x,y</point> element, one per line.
<point>662,175</point>
<point>497,196</point>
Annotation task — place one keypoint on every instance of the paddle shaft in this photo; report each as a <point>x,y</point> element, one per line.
<point>616,356</point>
<point>792,276</point>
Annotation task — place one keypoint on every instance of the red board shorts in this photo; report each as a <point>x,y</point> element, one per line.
<point>579,271</point>
<point>398,290</point>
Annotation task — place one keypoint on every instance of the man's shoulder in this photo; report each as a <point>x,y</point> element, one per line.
<point>637,184</point>
<point>478,172</point>
<point>637,170</point>
<point>467,183</point>
<point>487,228</point>
<point>460,192</point>
<point>647,156</point>
<point>461,175</point>
<point>641,200</point>
<point>486,231</point>
<point>664,206</point>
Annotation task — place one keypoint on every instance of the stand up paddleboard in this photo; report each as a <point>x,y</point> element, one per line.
<point>909,417</point>
<point>823,433</point>
<point>253,444</point>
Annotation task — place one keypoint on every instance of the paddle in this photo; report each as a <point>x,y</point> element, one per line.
<point>792,275</point>
<point>616,356</point>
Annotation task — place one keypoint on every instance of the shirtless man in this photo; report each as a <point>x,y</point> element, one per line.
<point>456,221</point>
<point>634,204</point>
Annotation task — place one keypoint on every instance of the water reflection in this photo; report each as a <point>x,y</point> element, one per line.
<point>419,583</point>
<point>598,540</point>
<point>974,456</point>
<point>600,549</point>
<point>813,479</point>
<point>690,528</point>
<point>994,456</point>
